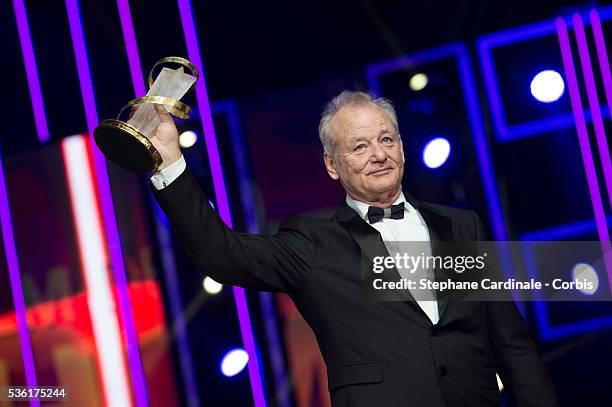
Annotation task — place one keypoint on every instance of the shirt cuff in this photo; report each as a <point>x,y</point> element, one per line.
<point>163,178</point>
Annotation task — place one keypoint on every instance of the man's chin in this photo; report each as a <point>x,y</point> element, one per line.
<point>385,188</point>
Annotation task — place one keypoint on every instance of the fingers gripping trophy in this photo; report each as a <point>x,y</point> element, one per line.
<point>134,145</point>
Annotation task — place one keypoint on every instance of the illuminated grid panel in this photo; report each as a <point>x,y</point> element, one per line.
<point>577,118</point>
<point>504,132</point>
<point>546,330</point>
<point>600,224</point>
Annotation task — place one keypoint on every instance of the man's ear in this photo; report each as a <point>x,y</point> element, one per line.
<point>401,145</point>
<point>330,166</point>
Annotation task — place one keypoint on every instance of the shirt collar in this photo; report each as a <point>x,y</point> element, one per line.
<point>362,208</point>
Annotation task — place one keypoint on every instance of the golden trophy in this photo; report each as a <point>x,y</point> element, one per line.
<point>127,143</point>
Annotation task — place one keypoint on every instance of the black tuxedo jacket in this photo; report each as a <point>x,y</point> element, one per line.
<point>377,353</point>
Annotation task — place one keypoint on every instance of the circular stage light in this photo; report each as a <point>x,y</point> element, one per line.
<point>187,139</point>
<point>584,272</point>
<point>436,152</point>
<point>547,86</point>
<point>234,362</point>
<point>211,286</point>
<point>418,82</point>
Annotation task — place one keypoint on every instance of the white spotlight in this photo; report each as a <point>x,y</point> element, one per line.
<point>187,139</point>
<point>211,286</point>
<point>585,272</point>
<point>547,86</point>
<point>436,152</point>
<point>233,362</point>
<point>418,82</point>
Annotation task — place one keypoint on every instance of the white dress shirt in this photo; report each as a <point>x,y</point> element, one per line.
<point>411,228</point>
<point>163,178</point>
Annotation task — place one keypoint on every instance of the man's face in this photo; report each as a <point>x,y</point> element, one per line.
<point>369,157</point>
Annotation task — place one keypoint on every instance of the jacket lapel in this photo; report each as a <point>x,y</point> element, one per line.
<point>440,230</point>
<point>372,245</point>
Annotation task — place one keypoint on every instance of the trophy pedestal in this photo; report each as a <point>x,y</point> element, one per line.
<point>127,147</point>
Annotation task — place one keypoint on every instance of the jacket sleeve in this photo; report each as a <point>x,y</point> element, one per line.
<point>518,361</point>
<point>265,263</point>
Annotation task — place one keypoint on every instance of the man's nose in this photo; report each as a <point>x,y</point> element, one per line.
<point>378,153</point>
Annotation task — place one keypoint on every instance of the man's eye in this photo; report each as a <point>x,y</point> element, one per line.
<point>387,139</point>
<point>359,147</point>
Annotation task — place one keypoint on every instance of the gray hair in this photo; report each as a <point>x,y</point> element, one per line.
<point>350,98</point>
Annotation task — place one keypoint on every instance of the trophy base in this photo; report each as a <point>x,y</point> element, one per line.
<point>127,147</point>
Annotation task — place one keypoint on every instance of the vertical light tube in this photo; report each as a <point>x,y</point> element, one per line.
<point>92,249</point>
<point>587,71</point>
<point>583,140</point>
<point>42,130</point>
<point>161,226</point>
<point>14,275</point>
<point>131,47</point>
<point>29,61</point>
<point>108,210</point>
<point>193,52</point>
<point>481,144</point>
<point>604,66</point>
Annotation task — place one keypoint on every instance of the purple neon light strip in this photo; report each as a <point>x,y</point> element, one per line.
<point>163,232</point>
<point>180,323</point>
<point>108,210</point>
<point>583,139</point>
<point>604,66</point>
<point>279,372</point>
<point>485,162</point>
<point>482,146</point>
<point>587,71</point>
<point>490,77</point>
<point>42,130</point>
<point>16,288</point>
<point>29,61</point>
<point>129,38</point>
<point>221,195</point>
<point>205,114</point>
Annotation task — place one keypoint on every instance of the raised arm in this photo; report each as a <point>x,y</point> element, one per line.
<point>267,263</point>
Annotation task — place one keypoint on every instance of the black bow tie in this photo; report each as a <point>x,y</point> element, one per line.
<point>394,212</point>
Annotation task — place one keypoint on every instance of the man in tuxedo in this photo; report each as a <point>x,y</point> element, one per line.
<point>378,353</point>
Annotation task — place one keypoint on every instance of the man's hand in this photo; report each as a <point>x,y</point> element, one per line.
<point>165,138</point>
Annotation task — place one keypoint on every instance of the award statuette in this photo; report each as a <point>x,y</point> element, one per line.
<point>127,143</point>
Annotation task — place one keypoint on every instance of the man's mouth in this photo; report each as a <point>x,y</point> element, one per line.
<point>383,171</point>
